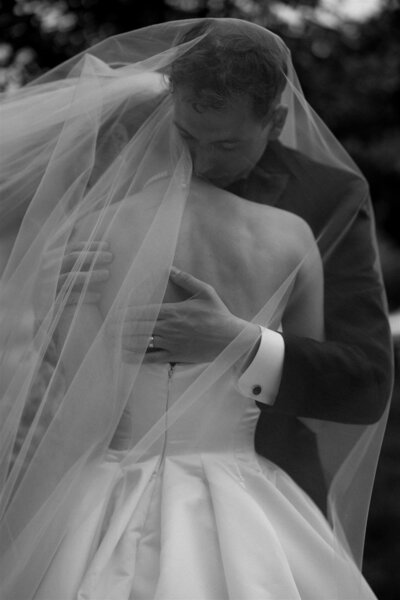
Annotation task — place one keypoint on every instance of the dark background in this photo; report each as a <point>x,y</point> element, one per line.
<point>350,72</point>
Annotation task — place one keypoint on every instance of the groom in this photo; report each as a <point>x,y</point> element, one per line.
<point>233,140</point>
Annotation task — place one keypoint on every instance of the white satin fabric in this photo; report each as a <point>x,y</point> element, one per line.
<point>219,523</point>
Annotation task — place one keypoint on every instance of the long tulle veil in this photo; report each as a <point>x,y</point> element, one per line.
<point>87,140</point>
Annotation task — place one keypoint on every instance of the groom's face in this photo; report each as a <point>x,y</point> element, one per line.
<point>225,144</point>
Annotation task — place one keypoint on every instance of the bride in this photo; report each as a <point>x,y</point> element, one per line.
<point>188,493</point>
<point>139,479</point>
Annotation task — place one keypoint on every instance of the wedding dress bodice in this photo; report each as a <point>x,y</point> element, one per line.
<point>219,420</point>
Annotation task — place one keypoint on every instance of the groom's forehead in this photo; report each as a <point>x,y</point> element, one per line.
<point>233,110</point>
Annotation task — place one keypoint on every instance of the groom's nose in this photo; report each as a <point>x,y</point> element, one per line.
<point>202,161</point>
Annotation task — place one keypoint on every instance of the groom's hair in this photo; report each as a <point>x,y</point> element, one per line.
<point>230,61</point>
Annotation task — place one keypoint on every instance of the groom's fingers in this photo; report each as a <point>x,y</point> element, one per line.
<point>149,312</point>
<point>139,344</point>
<point>81,279</point>
<point>89,298</point>
<point>88,260</point>
<point>158,356</point>
<point>90,253</point>
<point>129,328</point>
<point>190,283</point>
<point>93,246</point>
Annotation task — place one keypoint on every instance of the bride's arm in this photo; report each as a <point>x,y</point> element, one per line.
<point>304,313</point>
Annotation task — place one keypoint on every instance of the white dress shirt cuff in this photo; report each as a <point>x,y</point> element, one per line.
<point>260,380</point>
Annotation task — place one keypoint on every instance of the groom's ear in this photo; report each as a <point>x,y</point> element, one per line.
<point>278,121</point>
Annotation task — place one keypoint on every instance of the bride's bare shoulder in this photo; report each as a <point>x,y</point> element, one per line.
<point>118,217</point>
<point>286,223</point>
<point>264,218</point>
<point>279,227</point>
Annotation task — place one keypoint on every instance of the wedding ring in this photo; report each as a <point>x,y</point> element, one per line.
<point>151,342</point>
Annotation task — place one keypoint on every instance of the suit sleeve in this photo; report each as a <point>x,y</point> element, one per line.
<point>348,377</point>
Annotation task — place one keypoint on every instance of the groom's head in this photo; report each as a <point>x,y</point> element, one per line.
<point>227,87</point>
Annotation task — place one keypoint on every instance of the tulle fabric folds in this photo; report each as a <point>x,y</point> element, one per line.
<point>89,149</point>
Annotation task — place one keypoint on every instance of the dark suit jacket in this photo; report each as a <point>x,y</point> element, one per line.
<point>348,377</point>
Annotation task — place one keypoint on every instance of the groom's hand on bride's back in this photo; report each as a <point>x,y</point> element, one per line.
<point>88,263</point>
<point>192,331</point>
<point>195,330</point>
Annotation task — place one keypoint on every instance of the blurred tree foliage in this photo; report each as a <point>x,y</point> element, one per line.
<point>350,71</point>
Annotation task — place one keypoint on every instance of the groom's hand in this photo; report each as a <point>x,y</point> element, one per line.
<point>193,331</point>
<point>93,271</point>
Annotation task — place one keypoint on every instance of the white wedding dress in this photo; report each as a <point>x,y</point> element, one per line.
<point>214,523</point>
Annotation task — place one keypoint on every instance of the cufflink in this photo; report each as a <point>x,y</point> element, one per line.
<point>256,389</point>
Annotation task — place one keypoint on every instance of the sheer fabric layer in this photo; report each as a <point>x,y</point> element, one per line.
<point>92,154</point>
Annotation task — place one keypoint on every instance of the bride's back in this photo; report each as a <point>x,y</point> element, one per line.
<point>243,249</point>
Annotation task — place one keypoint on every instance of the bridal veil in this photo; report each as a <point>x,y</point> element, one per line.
<point>94,134</point>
